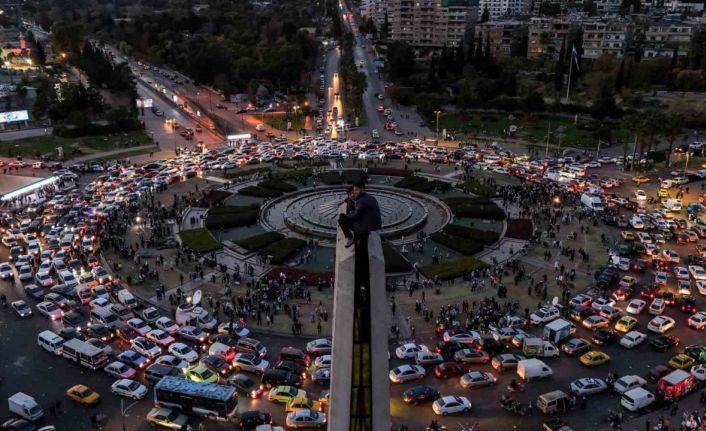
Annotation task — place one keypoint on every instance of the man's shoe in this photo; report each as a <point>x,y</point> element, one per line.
<point>349,242</point>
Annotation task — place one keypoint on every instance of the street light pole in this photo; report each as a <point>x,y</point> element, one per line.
<point>438,112</point>
<point>124,410</point>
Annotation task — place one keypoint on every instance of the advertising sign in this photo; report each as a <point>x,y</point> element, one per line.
<point>9,117</point>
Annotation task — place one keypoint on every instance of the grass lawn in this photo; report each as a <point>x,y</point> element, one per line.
<point>200,240</point>
<point>47,145</point>
<point>531,128</point>
<point>279,120</point>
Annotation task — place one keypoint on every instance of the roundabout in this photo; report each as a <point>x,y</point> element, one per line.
<point>313,212</point>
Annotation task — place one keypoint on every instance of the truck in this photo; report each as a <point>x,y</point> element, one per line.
<point>558,330</point>
<point>25,407</point>
<point>530,369</point>
<point>675,385</point>
<point>592,202</point>
<point>535,346</point>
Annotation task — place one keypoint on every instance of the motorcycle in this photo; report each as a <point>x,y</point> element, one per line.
<point>513,406</point>
<point>518,387</point>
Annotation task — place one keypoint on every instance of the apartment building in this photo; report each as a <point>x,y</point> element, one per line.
<point>503,8</point>
<point>609,37</point>
<point>504,37</point>
<point>661,38</point>
<point>431,23</point>
<point>374,9</point>
<point>545,36</point>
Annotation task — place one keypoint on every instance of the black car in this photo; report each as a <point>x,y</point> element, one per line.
<point>252,419</point>
<point>604,336</point>
<point>245,385</point>
<point>292,367</point>
<point>664,342</point>
<point>100,331</point>
<point>125,332</point>
<point>223,339</point>
<point>493,347</point>
<point>579,313</point>
<point>155,372</point>
<point>75,320</point>
<point>419,394</point>
<point>688,305</point>
<point>322,376</point>
<point>658,372</point>
<point>606,277</point>
<point>17,425</point>
<point>695,259</point>
<point>69,333</point>
<point>34,291</point>
<point>447,350</point>
<point>649,292</point>
<point>68,292</point>
<point>669,298</point>
<point>271,378</point>
<point>216,364</point>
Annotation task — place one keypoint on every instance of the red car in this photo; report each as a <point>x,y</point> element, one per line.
<point>450,369</point>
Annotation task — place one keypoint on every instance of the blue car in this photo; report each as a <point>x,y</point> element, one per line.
<point>133,359</point>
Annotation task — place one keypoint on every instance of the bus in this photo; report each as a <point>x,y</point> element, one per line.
<point>216,402</point>
<point>85,354</point>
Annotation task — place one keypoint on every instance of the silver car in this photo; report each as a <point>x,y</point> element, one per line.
<point>587,386</point>
<point>250,362</point>
<point>477,379</point>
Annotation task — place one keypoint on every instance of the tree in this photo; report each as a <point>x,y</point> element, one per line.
<point>619,78</point>
<point>400,62</point>
<point>588,7</point>
<point>485,16</point>
<point>67,37</point>
<point>535,102</point>
<point>603,102</point>
<point>672,128</point>
<point>559,70</point>
<point>385,29</point>
<point>459,59</point>
<point>675,58</point>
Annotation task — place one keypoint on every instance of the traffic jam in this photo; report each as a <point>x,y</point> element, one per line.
<point>632,343</point>
<point>187,366</point>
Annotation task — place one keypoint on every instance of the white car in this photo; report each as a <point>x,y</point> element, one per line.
<point>450,404</point>
<point>699,372</point>
<point>544,315</point>
<point>697,272</point>
<point>129,388</point>
<point>701,286</point>
<point>428,358</point>
<point>25,273</point>
<point>166,324</point>
<point>682,273</point>
<point>599,303</point>
<point>697,321</point>
<point>410,350</point>
<point>119,370</point>
<point>462,337</point>
<point>50,310</point>
<point>145,347</point>
<point>172,361</point>
<point>636,306</point>
<point>405,373</point>
<point>139,325</point>
<point>661,278</point>
<point>587,386</point>
<point>628,382</point>
<point>640,195</point>
<point>593,164</point>
<point>161,338</point>
<point>182,351</point>
<point>661,324</point>
<point>632,339</point>
<point>99,302</point>
<point>671,256</point>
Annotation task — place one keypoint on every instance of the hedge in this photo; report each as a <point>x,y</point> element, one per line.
<point>464,246</point>
<point>390,172</point>
<point>478,207</point>
<point>486,237</point>
<point>394,261</point>
<point>410,181</point>
<point>282,249</point>
<point>452,269</point>
<point>330,177</point>
<point>354,176</point>
<point>200,240</point>
<point>430,186</point>
<point>231,216</point>
<point>290,175</point>
<point>262,240</point>
<point>277,185</point>
<point>237,173</point>
<point>259,192</point>
<point>477,188</point>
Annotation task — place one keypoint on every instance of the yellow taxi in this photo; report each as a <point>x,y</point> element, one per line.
<point>625,324</point>
<point>627,282</point>
<point>199,373</point>
<point>626,235</point>
<point>640,179</point>
<point>83,395</point>
<point>663,193</point>
<point>285,394</point>
<point>594,358</point>
<point>300,403</point>
<point>682,361</point>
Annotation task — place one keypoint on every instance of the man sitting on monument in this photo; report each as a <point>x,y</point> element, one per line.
<point>363,218</point>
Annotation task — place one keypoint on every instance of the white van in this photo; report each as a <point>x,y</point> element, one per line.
<point>529,369</point>
<point>672,204</point>
<point>127,299</point>
<point>50,342</point>
<point>636,399</point>
<point>593,202</point>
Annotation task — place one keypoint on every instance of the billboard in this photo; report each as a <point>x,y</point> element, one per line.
<point>12,116</point>
<point>144,103</point>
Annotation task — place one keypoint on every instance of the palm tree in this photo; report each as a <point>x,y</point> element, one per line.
<point>672,128</point>
<point>635,123</point>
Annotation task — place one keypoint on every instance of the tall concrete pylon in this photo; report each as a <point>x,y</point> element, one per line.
<point>360,387</point>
